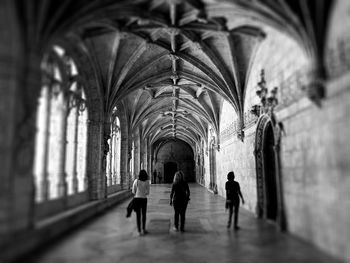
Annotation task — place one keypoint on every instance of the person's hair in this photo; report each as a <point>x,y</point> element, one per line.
<point>178,177</point>
<point>143,176</point>
<point>230,176</point>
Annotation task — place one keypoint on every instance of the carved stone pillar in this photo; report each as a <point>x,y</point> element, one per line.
<point>316,90</point>
<point>94,158</point>
<point>62,143</point>
<point>137,154</point>
<point>113,158</point>
<point>240,130</point>
<point>110,156</point>
<point>124,152</point>
<point>116,166</point>
<point>20,82</point>
<point>75,111</point>
<point>106,149</point>
<point>46,138</point>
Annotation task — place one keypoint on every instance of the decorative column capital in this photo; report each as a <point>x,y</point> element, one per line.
<point>316,91</point>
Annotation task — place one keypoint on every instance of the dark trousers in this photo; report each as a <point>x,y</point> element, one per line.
<point>233,207</point>
<point>141,209</point>
<point>180,211</point>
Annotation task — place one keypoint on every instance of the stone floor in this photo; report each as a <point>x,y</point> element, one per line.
<point>113,238</point>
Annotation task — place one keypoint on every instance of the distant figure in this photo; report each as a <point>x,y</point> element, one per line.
<point>154,179</point>
<point>159,178</point>
<point>179,197</point>
<point>233,192</point>
<point>140,189</point>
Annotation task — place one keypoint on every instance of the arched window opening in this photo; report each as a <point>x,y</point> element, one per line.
<point>61,138</point>
<point>113,156</point>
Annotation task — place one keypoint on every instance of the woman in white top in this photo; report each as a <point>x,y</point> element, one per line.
<point>140,189</point>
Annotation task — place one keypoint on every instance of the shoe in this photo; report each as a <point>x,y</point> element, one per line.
<point>140,233</point>
<point>228,225</point>
<point>182,230</point>
<point>175,229</point>
<point>237,228</point>
<point>144,232</point>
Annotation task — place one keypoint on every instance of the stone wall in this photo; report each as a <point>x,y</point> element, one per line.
<point>315,161</point>
<point>315,153</point>
<point>181,154</point>
<point>237,156</point>
<point>337,53</point>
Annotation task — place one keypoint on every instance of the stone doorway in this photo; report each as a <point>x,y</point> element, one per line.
<point>269,187</point>
<point>269,160</point>
<point>169,171</point>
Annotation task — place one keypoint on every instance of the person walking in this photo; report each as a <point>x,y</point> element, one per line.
<point>233,192</point>
<point>154,179</point>
<point>159,178</point>
<point>140,189</point>
<point>179,197</point>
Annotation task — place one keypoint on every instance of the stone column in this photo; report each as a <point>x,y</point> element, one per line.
<point>113,147</point>
<point>124,161</point>
<point>137,154</point>
<point>20,82</point>
<point>124,152</point>
<point>75,150</point>
<point>110,156</point>
<point>149,157</point>
<point>105,150</point>
<point>94,158</point>
<point>117,158</point>
<point>46,138</point>
<point>62,145</point>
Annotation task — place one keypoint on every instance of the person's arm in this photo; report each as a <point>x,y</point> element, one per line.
<point>240,194</point>
<point>188,191</point>
<point>172,194</point>
<point>134,187</point>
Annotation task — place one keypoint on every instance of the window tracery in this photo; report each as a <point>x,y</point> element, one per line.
<point>113,155</point>
<point>61,138</point>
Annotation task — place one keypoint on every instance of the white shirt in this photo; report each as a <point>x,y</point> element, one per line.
<point>140,188</point>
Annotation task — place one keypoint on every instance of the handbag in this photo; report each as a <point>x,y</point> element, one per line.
<point>130,207</point>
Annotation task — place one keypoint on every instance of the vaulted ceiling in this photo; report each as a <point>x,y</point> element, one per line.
<point>171,63</point>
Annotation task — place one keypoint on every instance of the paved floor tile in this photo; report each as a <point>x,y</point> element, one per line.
<point>113,238</point>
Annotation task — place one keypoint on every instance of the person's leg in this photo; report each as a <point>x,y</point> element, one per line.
<point>183,215</point>
<point>236,216</point>
<point>230,212</point>
<point>138,214</point>
<point>176,214</point>
<point>144,212</point>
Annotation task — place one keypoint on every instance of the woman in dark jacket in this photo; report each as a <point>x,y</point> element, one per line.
<point>233,193</point>
<point>179,197</point>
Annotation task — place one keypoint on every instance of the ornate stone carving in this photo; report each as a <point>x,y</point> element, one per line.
<point>315,90</point>
<point>259,163</point>
<point>267,103</point>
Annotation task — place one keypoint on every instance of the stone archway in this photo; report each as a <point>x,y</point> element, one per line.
<point>170,169</point>
<point>269,187</point>
<point>269,169</point>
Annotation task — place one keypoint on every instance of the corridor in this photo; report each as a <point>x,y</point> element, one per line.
<point>113,238</point>
<point>94,91</point>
